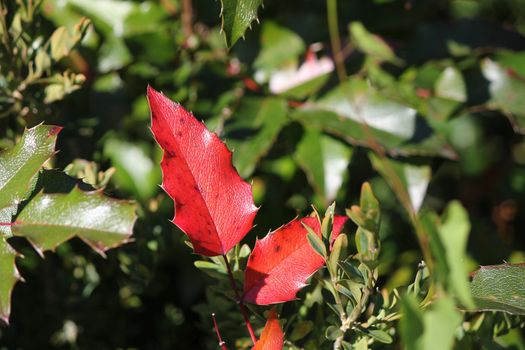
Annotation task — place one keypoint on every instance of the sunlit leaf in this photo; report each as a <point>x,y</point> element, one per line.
<point>280,263</point>
<point>51,219</point>
<point>272,337</point>
<point>8,277</point>
<point>500,288</point>
<point>433,328</point>
<point>506,91</point>
<point>214,206</point>
<point>325,161</point>
<point>237,16</point>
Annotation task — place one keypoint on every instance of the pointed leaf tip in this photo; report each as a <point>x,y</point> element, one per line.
<point>272,337</point>
<point>213,205</point>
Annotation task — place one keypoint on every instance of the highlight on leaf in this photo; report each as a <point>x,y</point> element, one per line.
<point>213,204</point>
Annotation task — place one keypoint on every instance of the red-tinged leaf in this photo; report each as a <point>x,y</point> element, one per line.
<point>337,227</point>
<point>281,263</point>
<point>272,337</point>
<point>213,205</point>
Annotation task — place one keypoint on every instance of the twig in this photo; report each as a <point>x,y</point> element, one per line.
<point>239,300</point>
<point>187,16</point>
<point>335,40</point>
<point>222,343</point>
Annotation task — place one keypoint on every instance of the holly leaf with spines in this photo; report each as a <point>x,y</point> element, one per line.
<point>281,262</point>
<point>213,205</point>
<point>20,165</point>
<point>48,219</point>
<point>51,219</point>
<point>237,16</point>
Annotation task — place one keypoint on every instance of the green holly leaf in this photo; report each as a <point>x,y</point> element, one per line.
<point>51,219</point>
<point>48,219</point>
<point>237,15</point>
<point>8,277</point>
<point>19,167</point>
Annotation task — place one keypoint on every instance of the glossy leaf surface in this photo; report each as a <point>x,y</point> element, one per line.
<point>213,205</point>
<point>357,112</point>
<point>19,165</point>
<point>8,278</point>
<point>51,219</point>
<point>237,15</point>
<point>324,160</point>
<point>272,337</point>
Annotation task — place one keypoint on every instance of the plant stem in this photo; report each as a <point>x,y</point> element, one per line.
<point>222,343</point>
<point>390,176</point>
<point>335,40</point>
<point>187,16</point>
<point>239,300</point>
<point>348,322</point>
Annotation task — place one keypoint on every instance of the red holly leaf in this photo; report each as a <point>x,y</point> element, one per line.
<point>213,205</point>
<point>272,337</point>
<point>337,227</point>
<point>280,263</point>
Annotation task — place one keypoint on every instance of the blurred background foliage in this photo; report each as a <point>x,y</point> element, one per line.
<point>440,84</point>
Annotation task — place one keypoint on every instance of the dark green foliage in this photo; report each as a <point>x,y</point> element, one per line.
<point>430,112</point>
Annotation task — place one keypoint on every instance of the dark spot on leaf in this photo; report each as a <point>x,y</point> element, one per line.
<point>179,134</point>
<point>181,120</point>
<point>277,248</point>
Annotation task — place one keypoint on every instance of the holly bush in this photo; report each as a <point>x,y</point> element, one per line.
<point>374,197</point>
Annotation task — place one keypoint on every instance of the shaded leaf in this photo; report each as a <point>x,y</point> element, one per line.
<point>280,263</point>
<point>433,328</point>
<point>315,242</point>
<point>8,277</point>
<point>380,336</point>
<point>272,336</point>
<point>325,161</point>
<point>135,171</point>
<point>237,16</point>
<point>51,219</point>
<point>279,46</point>
<point>213,205</point>
<point>253,129</point>
<point>371,44</point>
<point>500,288</point>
